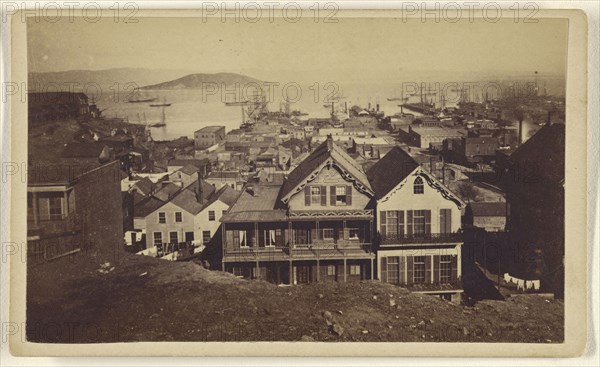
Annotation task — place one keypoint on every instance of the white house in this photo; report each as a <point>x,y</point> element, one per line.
<point>419,224</point>
<point>191,216</point>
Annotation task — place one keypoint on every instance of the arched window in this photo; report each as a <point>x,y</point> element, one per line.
<point>418,186</point>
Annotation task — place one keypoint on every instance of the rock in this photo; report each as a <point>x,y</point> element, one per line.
<point>340,312</point>
<point>327,315</point>
<point>337,329</point>
<point>396,316</point>
<point>320,296</point>
<point>365,331</point>
<point>413,326</point>
<point>329,323</point>
<point>430,321</point>
<point>307,338</point>
<point>375,297</point>
<point>392,302</point>
<point>389,326</point>
<point>465,330</point>
<point>421,324</point>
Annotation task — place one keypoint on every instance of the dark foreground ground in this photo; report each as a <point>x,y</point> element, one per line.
<point>82,299</point>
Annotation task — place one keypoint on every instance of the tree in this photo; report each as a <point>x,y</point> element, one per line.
<point>467,191</point>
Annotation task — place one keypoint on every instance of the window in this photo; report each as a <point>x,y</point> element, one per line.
<point>162,217</point>
<point>328,234</point>
<point>353,234</point>
<point>157,238</point>
<point>445,221</point>
<point>354,269</point>
<point>55,207</point>
<point>340,195</point>
<point>418,187</point>
<point>302,236</point>
<point>392,223</point>
<point>206,237</point>
<point>189,236</point>
<point>178,217</point>
<point>211,215</point>
<point>331,270</point>
<point>393,269</point>
<point>315,195</point>
<point>223,212</point>
<point>445,268</point>
<point>173,237</point>
<point>419,222</point>
<point>419,269</point>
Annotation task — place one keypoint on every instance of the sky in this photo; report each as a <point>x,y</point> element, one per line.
<point>376,48</point>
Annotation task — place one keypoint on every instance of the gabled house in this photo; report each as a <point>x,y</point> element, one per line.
<point>315,226</point>
<point>191,216</point>
<point>185,175</point>
<point>418,222</point>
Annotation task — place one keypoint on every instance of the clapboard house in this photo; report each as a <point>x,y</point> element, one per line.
<point>315,226</point>
<point>418,222</point>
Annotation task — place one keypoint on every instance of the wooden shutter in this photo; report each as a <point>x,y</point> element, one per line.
<point>384,269</point>
<point>323,195</point>
<point>383,223</point>
<point>409,270</point>
<point>332,195</point>
<point>307,195</point>
<point>409,227</point>
<point>428,269</point>
<point>279,237</point>
<point>454,269</point>
<point>436,268</point>
<point>400,223</point>
<point>401,269</point>
<point>445,220</point>
<point>348,195</point>
<point>427,221</point>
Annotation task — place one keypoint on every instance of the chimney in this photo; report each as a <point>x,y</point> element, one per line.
<point>369,106</point>
<point>329,142</point>
<point>549,119</point>
<point>199,192</point>
<point>377,107</point>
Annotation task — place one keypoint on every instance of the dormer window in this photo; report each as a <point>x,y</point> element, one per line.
<point>418,187</point>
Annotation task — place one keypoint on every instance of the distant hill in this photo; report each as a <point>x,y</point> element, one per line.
<point>195,81</point>
<point>108,80</point>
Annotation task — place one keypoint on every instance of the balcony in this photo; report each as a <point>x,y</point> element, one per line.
<point>317,250</point>
<point>421,238</point>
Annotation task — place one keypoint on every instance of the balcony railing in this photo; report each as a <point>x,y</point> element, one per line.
<point>421,238</point>
<point>315,250</point>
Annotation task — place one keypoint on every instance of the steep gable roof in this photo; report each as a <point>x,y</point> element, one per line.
<point>390,170</point>
<point>83,150</point>
<point>325,152</point>
<point>188,169</point>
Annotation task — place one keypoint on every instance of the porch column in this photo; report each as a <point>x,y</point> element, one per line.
<point>318,268</point>
<point>256,235</point>
<point>371,233</point>
<point>36,214</point>
<point>371,268</point>
<point>291,275</point>
<point>345,271</point>
<point>257,270</point>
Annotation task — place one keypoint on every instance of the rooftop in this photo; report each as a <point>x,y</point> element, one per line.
<point>493,209</point>
<point>390,170</point>
<point>211,129</point>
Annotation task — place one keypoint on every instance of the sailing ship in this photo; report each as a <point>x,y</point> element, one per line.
<point>163,104</point>
<point>141,98</point>
<point>162,120</point>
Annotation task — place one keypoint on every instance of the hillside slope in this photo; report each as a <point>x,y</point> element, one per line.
<point>137,298</point>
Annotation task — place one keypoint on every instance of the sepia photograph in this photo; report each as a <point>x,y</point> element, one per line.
<point>309,175</point>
